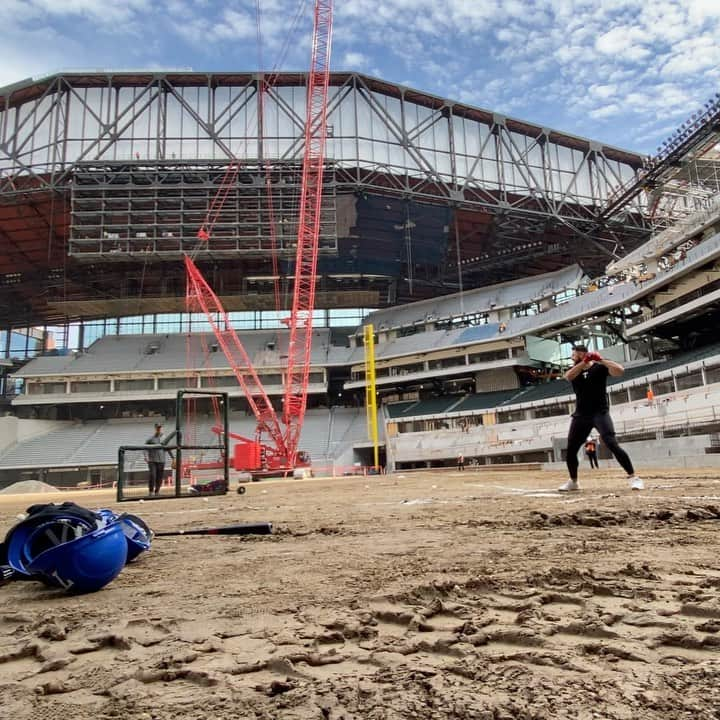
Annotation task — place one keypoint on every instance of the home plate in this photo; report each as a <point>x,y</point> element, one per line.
<point>418,501</point>
<point>541,493</point>
<point>527,492</point>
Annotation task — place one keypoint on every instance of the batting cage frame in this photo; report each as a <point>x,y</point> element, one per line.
<point>182,487</point>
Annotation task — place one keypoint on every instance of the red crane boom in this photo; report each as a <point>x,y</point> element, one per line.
<point>283,453</point>
<point>301,318</point>
<point>218,201</point>
<point>200,294</point>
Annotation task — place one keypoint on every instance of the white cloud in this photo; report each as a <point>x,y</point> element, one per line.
<point>233,25</point>
<point>507,35</point>
<point>568,54</point>
<point>700,11</point>
<point>584,66</point>
<point>623,43</point>
<point>354,60</point>
<point>40,51</point>
<point>691,56</point>
<point>100,11</point>
<point>603,91</point>
<point>606,111</point>
<point>15,12</point>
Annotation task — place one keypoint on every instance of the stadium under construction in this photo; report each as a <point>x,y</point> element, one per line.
<point>479,246</point>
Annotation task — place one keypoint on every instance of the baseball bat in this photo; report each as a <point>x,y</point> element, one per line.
<point>259,528</point>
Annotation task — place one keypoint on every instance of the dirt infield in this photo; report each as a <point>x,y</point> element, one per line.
<point>445,595</point>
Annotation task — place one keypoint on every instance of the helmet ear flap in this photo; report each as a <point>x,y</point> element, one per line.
<point>137,533</point>
<point>139,522</point>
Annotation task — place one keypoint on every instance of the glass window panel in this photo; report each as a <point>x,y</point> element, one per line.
<point>92,331</point>
<point>206,149</point>
<point>488,173</point>
<point>663,387</point>
<point>199,323</point>
<point>142,124</point>
<point>244,320</point>
<point>9,126</point>
<point>133,385</point>
<point>690,380</point>
<point>90,386</point>
<point>131,325</point>
<point>216,381</point>
<point>201,102</point>
<point>176,383</point>
<point>46,388</point>
<point>166,323</point>
<point>91,127</point>
<point>272,379</point>
<point>25,343</point>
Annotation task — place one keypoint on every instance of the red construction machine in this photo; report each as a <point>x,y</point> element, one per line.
<point>274,449</point>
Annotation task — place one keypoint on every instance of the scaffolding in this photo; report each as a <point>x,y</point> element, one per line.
<point>152,210</point>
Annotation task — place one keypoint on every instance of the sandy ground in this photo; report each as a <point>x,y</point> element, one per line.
<point>481,594</point>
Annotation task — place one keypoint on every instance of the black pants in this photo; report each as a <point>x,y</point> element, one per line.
<point>592,457</point>
<point>156,471</point>
<point>580,428</point>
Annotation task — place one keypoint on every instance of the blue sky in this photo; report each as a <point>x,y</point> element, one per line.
<point>624,72</point>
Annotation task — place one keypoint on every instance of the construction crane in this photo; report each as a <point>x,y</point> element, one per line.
<point>281,452</point>
<point>300,321</point>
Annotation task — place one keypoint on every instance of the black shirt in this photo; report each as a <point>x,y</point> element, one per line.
<point>590,390</point>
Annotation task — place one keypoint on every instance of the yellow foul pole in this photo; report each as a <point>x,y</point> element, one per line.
<point>370,393</point>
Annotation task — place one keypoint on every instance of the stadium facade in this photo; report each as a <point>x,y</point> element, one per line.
<point>105,179</point>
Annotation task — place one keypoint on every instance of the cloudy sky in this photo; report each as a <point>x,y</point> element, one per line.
<point>625,72</point>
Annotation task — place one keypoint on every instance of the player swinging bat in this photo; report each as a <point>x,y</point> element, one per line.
<point>588,376</point>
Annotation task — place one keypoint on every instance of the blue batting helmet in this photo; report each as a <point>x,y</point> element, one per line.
<point>85,564</point>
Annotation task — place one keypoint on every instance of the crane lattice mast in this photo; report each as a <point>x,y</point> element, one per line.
<point>301,318</point>
<point>200,294</point>
<point>284,449</point>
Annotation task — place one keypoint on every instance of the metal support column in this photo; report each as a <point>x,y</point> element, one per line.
<point>370,392</point>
